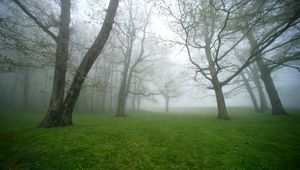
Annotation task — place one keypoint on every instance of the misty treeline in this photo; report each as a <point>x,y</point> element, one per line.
<point>107,58</point>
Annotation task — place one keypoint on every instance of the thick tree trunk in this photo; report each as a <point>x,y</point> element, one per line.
<point>222,110</point>
<point>88,62</point>
<point>54,114</point>
<point>277,107</point>
<point>250,92</point>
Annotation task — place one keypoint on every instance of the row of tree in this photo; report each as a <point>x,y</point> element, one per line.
<point>212,32</point>
<point>228,43</point>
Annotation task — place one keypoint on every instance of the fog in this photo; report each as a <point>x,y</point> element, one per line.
<point>161,47</point>
<point>149,84</point>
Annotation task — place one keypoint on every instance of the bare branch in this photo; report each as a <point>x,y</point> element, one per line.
<point>35,19</point>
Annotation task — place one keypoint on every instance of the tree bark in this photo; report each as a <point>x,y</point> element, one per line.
<point>222,110</point>
<point>54,116</point>
<point>250,92</point>
<point>88,62</point>
<point>277,107</point>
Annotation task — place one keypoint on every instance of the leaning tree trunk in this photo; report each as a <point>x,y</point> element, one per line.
<point>54,115</point>
<point>277,107</point>
<point>262,97</point>
<point>222,110</point>
<point>88,62</point>
<point>250,92</point>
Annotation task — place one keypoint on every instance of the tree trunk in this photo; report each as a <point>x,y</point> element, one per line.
<point>111,88</point>
<point>106,79</point>
<point>167,99</point>
<point>277,107</point>
<point>222,110</point>
<point>133,102</point>
<point>103,100</point>
<point>125,83</point>
<point>54,114</point>
<point>134,97</point>
<point>138,107</point>
<point>26,77</point>
<point>93,109</point>
<point>276,104</point>
<point>88,61</point>
<point>122,98</point>
<point>250,92</point>
<point>262,98</point>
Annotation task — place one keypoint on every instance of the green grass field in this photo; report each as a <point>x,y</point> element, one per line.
<point>145,140</point>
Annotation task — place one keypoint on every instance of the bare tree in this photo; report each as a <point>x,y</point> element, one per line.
<point>128,35</point>
<point>207,26</point>
<point>282,18</point>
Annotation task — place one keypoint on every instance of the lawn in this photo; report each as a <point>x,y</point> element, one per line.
<point>145,140</point>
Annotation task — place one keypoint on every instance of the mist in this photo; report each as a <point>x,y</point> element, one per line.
<point>28,67</point>
<point>101,67</point>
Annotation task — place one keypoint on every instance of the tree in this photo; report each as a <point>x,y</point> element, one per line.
<point>170,89</point>
<point>251,74</point>
<point>250,91</point>
<point>202,27</point>
<point>128,35</point>
<point>255,76</point>
<point>60,108</point>
<point>25,54</point>
<point>209,27</point>
<point>282,17</point>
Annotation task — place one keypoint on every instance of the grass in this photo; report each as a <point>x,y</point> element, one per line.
<point>194,140</point>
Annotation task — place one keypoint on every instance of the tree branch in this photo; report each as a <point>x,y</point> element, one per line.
<point>35,19</point>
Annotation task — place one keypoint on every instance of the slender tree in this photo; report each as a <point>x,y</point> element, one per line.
<point>130,33</point>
